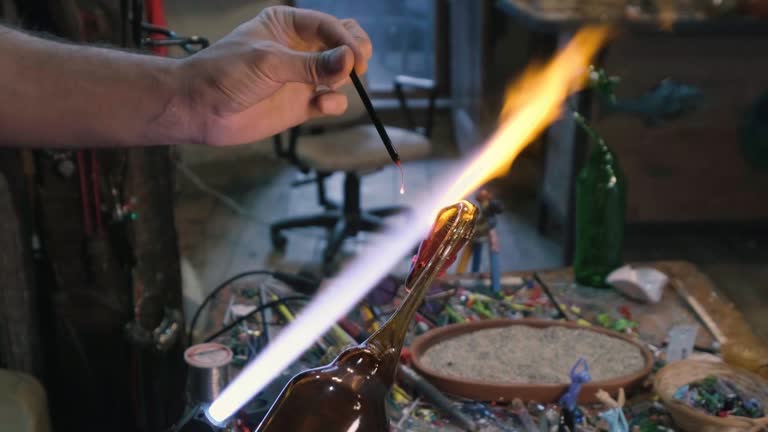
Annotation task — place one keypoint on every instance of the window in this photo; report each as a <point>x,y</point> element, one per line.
<point>402,33</point>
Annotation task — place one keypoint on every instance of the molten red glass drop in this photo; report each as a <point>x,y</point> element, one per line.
<point>402,178</point>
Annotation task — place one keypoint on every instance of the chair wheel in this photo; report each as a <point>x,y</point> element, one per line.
<point>278,240</point>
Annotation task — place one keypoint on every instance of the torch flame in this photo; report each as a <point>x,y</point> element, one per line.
<point>531,104</point>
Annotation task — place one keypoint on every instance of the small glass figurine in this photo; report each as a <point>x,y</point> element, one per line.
<point>519,409</point>
<point>614,416</point>
<point>570,413</point>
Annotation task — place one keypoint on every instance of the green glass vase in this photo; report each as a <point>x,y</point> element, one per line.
<point>600,213</point>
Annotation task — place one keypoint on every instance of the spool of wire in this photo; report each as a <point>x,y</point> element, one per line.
<point>208,371</point>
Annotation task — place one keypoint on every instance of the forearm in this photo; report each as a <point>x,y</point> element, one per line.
<point>60,95</point>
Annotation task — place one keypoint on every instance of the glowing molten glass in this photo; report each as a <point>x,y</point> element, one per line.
<point>531,104</point>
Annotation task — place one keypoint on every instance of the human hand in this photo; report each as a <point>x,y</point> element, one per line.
<point>271,73</point>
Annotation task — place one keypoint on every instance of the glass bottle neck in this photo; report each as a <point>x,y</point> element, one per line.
<point>450,233</point>
<point>388,341</point>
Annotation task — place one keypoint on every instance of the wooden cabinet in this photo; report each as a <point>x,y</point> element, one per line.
<point>691,169</point>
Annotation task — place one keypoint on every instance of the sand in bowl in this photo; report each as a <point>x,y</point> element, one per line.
<point>523,354</point>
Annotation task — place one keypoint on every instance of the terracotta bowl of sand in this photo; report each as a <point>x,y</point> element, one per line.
<point>499,360</point>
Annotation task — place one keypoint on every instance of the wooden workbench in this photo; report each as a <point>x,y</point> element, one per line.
<point>654,320</point>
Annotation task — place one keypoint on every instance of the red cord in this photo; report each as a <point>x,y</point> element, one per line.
<point>96,192</point>
<point>84,194</point>
<point>156,16</point>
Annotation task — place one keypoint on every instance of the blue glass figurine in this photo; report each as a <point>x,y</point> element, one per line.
<point>614,416</point>
<point>570,414</point>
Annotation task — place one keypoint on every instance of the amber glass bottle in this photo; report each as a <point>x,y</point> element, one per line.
<point>349,394</point>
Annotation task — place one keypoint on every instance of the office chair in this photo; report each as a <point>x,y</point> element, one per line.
<point>350,144</point>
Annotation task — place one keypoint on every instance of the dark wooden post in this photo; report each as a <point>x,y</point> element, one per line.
<point>20,346</point>
<point>159,276</point>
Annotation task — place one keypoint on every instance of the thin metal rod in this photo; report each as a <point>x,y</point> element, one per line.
<point>552,297</point>
<point>374,117</point>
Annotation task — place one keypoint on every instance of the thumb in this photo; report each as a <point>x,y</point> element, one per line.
<point>319,68</point>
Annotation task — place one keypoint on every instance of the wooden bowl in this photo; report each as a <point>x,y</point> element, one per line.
<point>675,375</point>
<point>543,393</point>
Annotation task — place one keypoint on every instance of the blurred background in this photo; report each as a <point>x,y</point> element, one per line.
<point>689,128</point>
